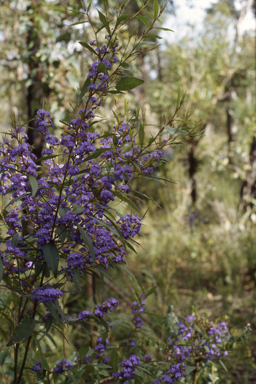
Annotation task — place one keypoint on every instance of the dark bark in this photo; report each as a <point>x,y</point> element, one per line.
<point>35,90</point>
<point>229,133</point>
<point>248,187</point>
<point>192,167</point>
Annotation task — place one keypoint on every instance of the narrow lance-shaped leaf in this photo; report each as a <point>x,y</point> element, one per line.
<point>144,20</point>
<point>141,134</point>
<point>22,331</point>
<point>145,43</point>
<point>128,83</point>
<point>152,36</point>
<point>97,153</point>
<point>88,242</point>
<point>88,47</point>
<point>42,356</point>
<point>84,88</point>
<point>34,184</point>
<point>114,360</point>
<point>122,18</point>
<point>83,351</point>
<point>51,256</point>
<point>155,7</point>
<point>15,240</point>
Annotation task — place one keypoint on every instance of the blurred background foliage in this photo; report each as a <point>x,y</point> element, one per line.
<point>198,244</point>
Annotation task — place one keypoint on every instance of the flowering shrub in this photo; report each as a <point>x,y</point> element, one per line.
<point>60,224</point>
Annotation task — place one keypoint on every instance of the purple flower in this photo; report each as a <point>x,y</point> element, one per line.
<point>37,367</point>
<point>62,366</point>
<point>130,225</point>
<point>46,294</point>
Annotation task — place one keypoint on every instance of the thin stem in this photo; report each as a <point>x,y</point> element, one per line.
<point>16,362</point>
<point>29,339</point>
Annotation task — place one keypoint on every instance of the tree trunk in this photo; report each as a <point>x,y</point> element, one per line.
<point>248,188</point>
<point>35,89</point>
<point>192,167</point>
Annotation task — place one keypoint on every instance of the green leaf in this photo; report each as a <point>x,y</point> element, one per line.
<point>141,134</point>
<point>88,242</point>
<point>125,65</point>
<point>3,355</point>
<point>50,338</point>
<point>104,273</point>
<point>223,365</point>
<point>128,83</point>
<point>145,43</point>
<point>3,333</point>
<point>155,8</point>
<point>48,156</point>
<point>78,209</point>
<point>102,17</point>
<point>125,199</point>
<point>88,47</point>
<point>79,22</point>
<point>52,309</point>
<point>115,141</point>
<point>175,131</point>
<point>152,36</point>
<point>164,29</point>
<point>190,368</point>
<point>140,374</point>
<point>16,199</point>
<point>157,178</point>
<point>42,356</point>
<point>34,184</point>
<point>83,351</point>
<point>121,266</point>
<point>85,326</point>
<point>109,227</point>
<point>114,360</point>
<point>84,88</point>
<point>74,380</point>
<point>97,153</point>
<point>102,68</point>
<point>147,197</point>
<point>106,25</point>
<point>51,256</point>
<point>121,18</point>
<point>1,269</point>
<point>152,290</point>
<point>78,376</point>
<point>144,20</point>
<point>15,240</point>
<point>22,331</point>
<point>104,335</point>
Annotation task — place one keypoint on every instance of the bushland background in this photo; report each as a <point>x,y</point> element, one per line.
<point>198,243</point>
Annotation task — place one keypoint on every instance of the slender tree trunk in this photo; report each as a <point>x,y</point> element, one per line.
<point>229,133</point>
<point>248,188</point>
<point>192,167</point>
<point>35,89</point>
<point>160,79</point>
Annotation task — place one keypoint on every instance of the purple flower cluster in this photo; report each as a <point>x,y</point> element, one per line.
<point>127,372</point>
<point>198,346</point>
<point>129,225</point>
<point>37,367</point>
<point>84,315</point>
<point>102,309</point>
<point>137,309</point>
<point>172,375</point>
<point>100,347</point>
<point>46,294</point>
<point>62,366</point>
